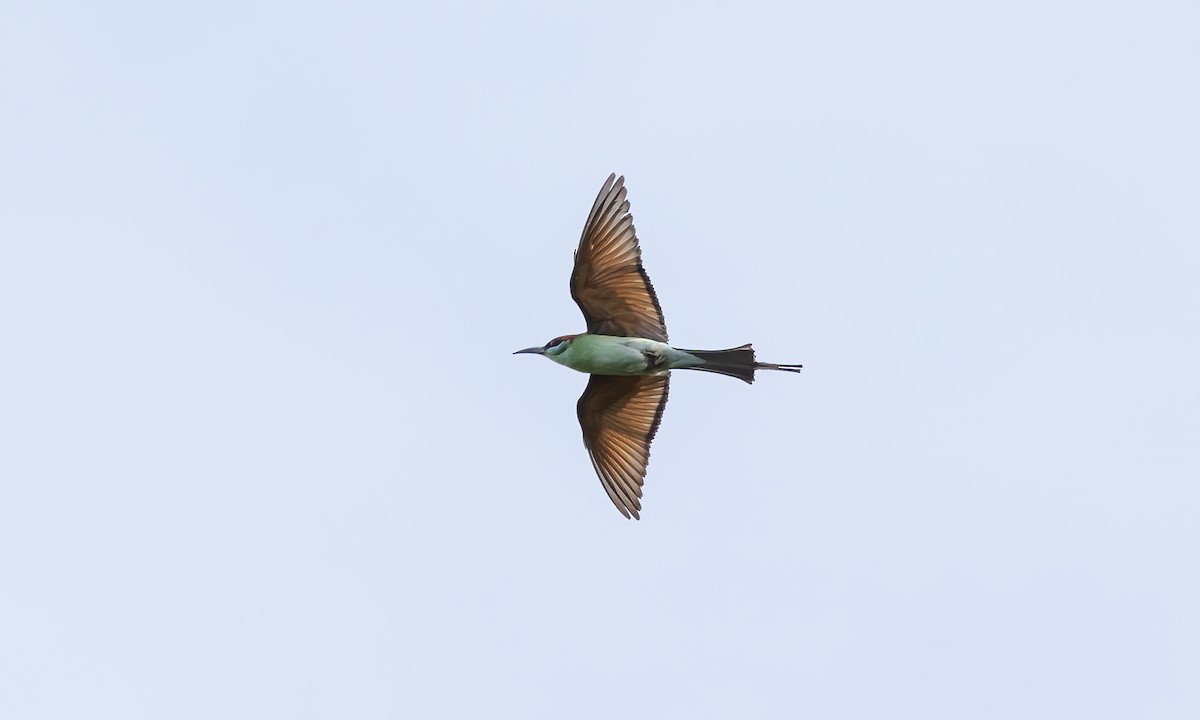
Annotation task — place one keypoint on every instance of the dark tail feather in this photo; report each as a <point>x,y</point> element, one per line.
<point>736,362</point>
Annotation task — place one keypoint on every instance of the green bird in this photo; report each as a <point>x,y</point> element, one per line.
<point>625,350</point>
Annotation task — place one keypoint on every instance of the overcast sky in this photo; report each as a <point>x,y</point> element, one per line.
<point>264,452</point>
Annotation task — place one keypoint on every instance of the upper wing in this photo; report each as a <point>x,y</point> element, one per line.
<point>609,283</point>
<point>619,416</point>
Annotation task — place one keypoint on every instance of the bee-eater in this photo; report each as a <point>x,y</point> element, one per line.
<point>625,350</point>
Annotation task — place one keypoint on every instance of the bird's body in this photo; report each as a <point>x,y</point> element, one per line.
<point>625,350</point>
<point>614,355</point>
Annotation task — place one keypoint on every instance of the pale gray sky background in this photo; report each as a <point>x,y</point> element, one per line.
<point>264,452</point>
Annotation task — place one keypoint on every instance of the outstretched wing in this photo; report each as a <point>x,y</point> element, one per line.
<point>619,416</point>
<point>609,283</point>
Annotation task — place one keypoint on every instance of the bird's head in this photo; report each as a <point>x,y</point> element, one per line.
<point>551,349</point>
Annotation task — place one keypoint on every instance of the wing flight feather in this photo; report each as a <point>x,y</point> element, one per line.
<point>609,283</point>
<point>620,416</point>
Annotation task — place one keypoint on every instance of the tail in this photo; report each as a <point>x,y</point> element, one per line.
<point>736,362</point>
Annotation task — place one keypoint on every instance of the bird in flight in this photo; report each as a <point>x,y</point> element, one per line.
<point>625,350</point>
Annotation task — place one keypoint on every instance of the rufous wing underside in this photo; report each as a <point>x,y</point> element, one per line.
<point>609,283</point>
<point>619,416</point>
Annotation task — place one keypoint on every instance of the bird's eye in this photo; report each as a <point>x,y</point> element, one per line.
<point>557,345</point>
